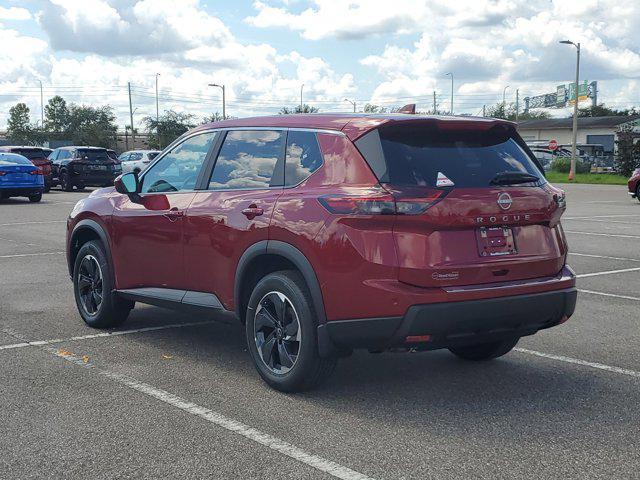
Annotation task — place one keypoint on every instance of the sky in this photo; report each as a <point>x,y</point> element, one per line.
<point>368,51</point>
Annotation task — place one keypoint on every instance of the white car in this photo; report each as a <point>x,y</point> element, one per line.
<point>137,159</point>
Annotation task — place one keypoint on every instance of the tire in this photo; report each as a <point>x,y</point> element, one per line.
<point>294,364</point>
<point>80,187</point>
<point>638,192</point>
<point>35,198</point>
<point>65,183</point>
<point>485,351</point>
<point>47,188</point>
<point>104,310</point>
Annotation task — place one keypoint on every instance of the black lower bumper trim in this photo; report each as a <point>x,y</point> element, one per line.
<point>453,323</point>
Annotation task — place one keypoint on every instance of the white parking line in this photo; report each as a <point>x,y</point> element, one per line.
<point>603,221</point>
<point>31,223</point>
<point>39,343</point>
<point>17,255</point>
<point>604,294</point>
<point>577,361</point>
<point>605,256</point>
<point>602,234</point>
<point>608,272</point>
<point>319,463</point>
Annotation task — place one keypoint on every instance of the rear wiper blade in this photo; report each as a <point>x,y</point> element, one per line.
<point>513,178</point>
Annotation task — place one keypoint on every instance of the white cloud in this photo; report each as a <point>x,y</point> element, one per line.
<point>14,13</point>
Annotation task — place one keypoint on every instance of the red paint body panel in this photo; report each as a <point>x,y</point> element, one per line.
<point>147,240</point>
<point>217,233</point>
<point>634,182</point>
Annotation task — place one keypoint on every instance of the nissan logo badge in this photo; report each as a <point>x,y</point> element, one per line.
<point>504,201</point>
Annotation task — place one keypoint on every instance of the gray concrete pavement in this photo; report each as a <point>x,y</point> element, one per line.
<point>386,416</point>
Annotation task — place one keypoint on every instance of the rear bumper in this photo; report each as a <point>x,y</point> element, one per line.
<point>21,191</point>
<point>452,323</point>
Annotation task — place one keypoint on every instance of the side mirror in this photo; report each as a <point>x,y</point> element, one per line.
<point>128,184</point>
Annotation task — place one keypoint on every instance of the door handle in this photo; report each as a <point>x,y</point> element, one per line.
<point>174,214</point>
<point>252,211</point>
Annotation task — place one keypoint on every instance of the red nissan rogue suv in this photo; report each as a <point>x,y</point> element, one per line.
<point>328,233</point>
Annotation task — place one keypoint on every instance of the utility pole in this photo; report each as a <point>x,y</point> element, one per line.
<point>449,73</point>
<point>352,103</point>
<point>435,107</point>
<point>157,113</point>
<point>41,105</point>
<point>504,101</point>
<point>484,110</point>
<point>301,87</point>
<point>574,139</point>
<point>133,133</point>
<point>224,101</point>
<point>517,103</point>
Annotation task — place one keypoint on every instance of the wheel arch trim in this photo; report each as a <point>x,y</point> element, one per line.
<point>95,227</point>
<point>289,252</point>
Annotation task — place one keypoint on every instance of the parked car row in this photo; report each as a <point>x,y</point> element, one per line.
<point>67,167</point>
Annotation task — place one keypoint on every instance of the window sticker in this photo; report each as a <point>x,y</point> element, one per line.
<point>443,181</point>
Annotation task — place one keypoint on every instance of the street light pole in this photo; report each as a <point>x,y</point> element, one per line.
<point>41,105</point>
<point>157,113</point>
<point>301,87</point>
<point>504,101</point>
<point>449,73</point>
<point>224,102</point>
<point>574,139</point>
<point>352,103</point>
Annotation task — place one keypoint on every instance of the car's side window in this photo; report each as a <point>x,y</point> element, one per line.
<point>178,170</point>
<point>248,160</point>
<point>124,157</point>
<point>135,156</point>
<point>303,156</point>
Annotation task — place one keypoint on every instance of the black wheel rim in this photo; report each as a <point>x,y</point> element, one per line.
<point>277,332</point>
<point>90,284</point>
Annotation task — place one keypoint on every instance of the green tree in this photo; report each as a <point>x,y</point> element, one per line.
<point>628,150</point>
<point>372,108</point>
<point>93,126</point>
<point>604,111</point>
<point>305,109</point>
<point>56,116</point>
<point>168,127</point>
<point>508,112</point>
<point>19,129</point>
<point>215,117</point>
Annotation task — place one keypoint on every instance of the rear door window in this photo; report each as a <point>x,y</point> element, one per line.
<point>303,156</point>
<point>249,159</point>
<point>424,155</point>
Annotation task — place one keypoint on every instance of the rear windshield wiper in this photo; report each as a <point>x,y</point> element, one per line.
<point>513,178</point>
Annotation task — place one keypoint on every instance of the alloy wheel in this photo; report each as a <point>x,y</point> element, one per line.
<point>90,284</point>
<point>277,332</point>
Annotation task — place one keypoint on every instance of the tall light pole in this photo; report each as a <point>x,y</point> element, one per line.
<point>574,141</point>
<point>224,108</point>
<point>41,105</point>
<point>449,73</point>
<point>157,113</point>
<point>301,88</point>
<point>352,103</point>
<point>504,101</point>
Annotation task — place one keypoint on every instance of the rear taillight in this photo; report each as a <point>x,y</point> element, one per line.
<point>2,174</point>
<point>383,204</point>
<point>36,172</point>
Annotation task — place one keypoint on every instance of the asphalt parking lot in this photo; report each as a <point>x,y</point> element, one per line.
<point>171,395</point>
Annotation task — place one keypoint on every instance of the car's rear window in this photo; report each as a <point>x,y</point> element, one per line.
<point>92,154</point>
<point>424,155</point>
<point>13,159</point>
<point>30,153</point>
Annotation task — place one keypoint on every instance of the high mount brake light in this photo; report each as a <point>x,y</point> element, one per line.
<point>383,204</point>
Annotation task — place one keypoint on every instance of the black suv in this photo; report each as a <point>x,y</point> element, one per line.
<point>83,166</point>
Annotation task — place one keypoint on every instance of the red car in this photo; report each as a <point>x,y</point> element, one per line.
<point>634,184</point>
<point>328,233</point>
<point>37,156</point>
